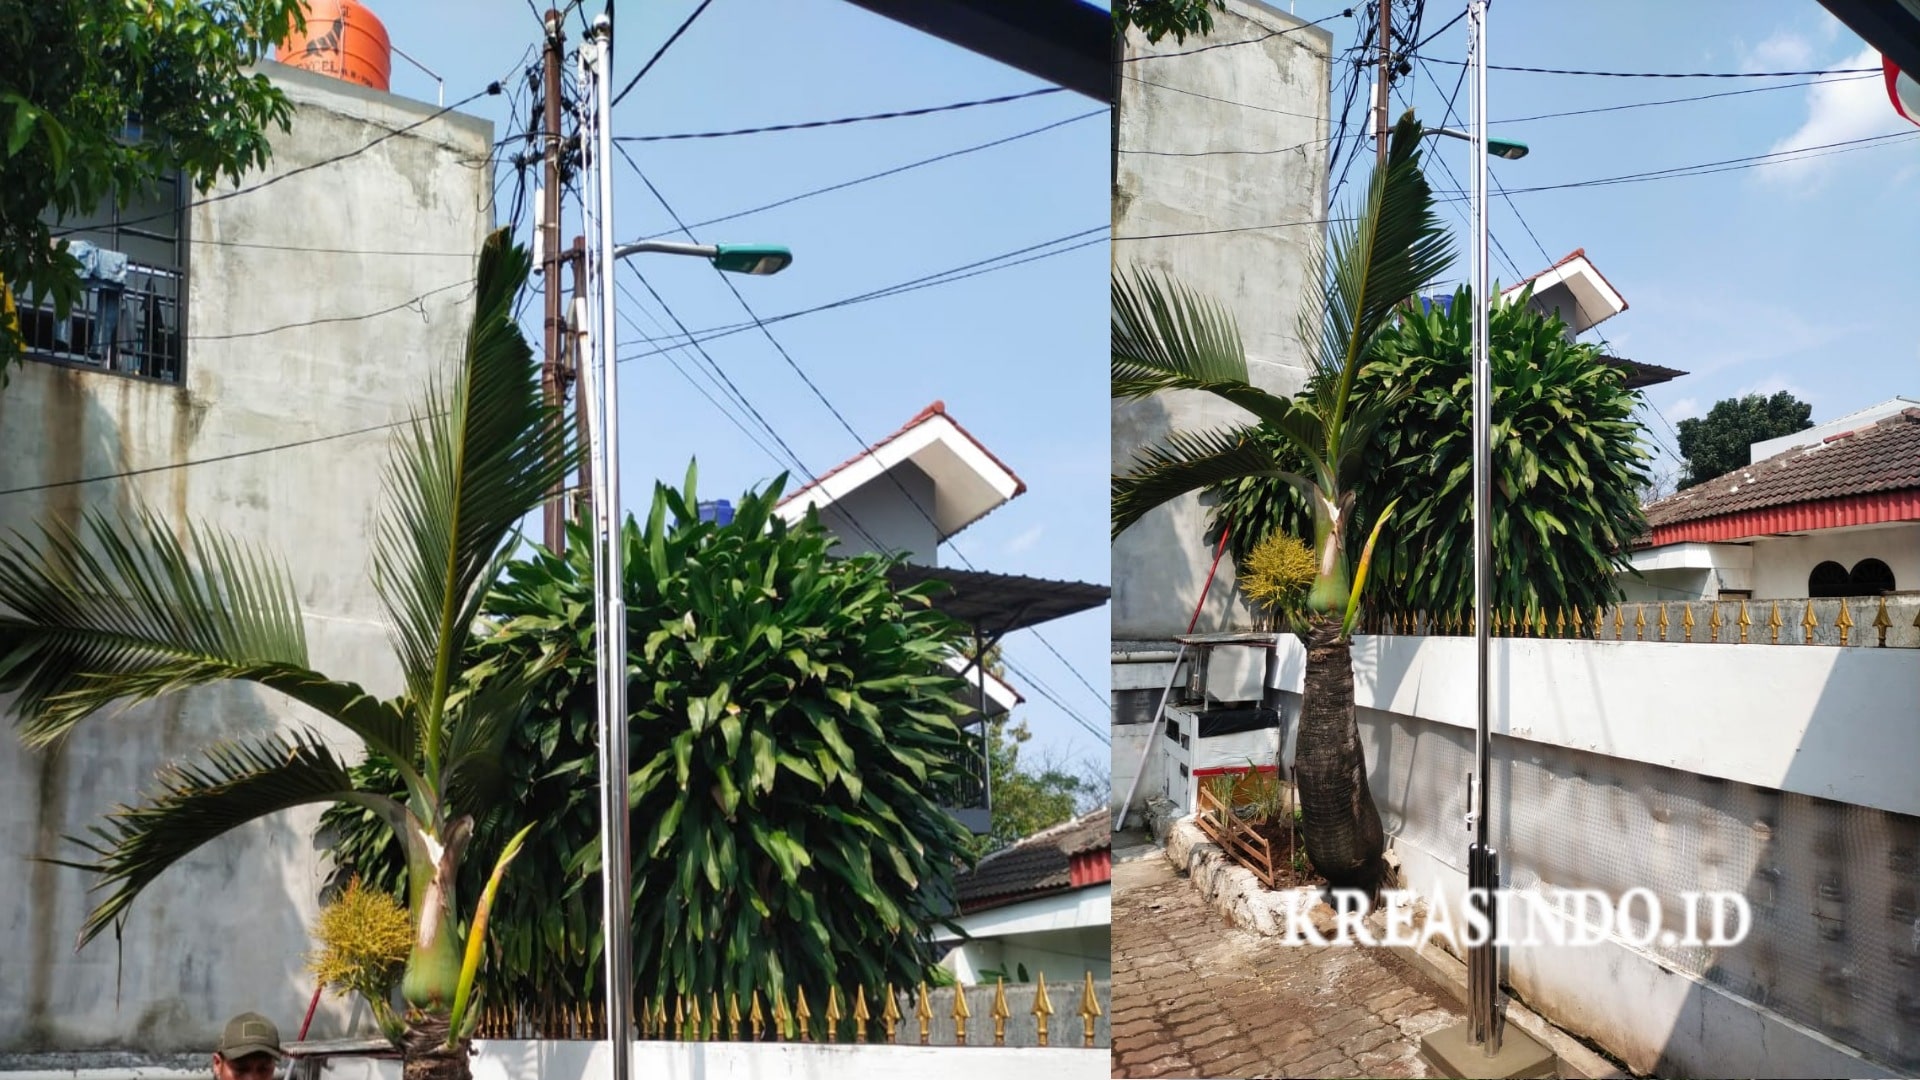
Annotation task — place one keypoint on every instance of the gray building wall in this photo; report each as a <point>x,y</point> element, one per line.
<point>1259,275</point>
<point>879,509</point>
<point>225,930</point>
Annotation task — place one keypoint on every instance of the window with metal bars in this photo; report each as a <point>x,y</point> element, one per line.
<point>131,317</point>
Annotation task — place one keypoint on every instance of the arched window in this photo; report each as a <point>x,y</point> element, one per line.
<point>1827,579</point>
<point>1870,577</point>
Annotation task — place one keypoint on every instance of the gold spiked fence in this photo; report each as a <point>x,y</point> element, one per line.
<point>996,1014</point>
<point>1864,622</point>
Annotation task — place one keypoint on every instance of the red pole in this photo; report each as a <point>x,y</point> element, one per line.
<point>308,1022</point>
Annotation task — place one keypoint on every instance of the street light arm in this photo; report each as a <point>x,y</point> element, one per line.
<point>666,247</point>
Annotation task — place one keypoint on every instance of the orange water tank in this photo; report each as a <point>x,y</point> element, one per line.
<point>344,40</point>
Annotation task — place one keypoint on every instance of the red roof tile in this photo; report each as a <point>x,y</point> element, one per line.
<point>1877,458</point>
<point>938,408</point>
<point>1576,253</point>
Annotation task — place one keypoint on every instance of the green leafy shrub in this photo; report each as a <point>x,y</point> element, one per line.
<point>792,724</point>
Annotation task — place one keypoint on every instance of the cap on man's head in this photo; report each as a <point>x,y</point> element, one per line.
<point>250,1033</point>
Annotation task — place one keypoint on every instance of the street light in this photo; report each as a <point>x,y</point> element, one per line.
<point>1510,149</point>
<point>1475,1047</point>
<point>599,399</point>
<point>760,259</point>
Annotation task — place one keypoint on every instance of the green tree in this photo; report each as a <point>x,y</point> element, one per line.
<point>1720,442</point>
<point>1027,796</point>
<point>98,98</point>
<point>129,611</point>
<point>1158,18</point>
<point>1568,467</point>
<point>792,723</point>
<point>1166,338</point>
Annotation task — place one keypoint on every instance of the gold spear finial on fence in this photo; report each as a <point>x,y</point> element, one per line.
<point>1559,622</point>
<point>1686,620</point>
<point>719,1033</point>
<point>1663,622</point>
<point>834,1015</point>
<point>1089,1007</point>
<point>660,1020</point>
<point>1844,622</point>
<point>802,1016</point>
<point>860,1014</point>
<point>694,1022</point>
<point>960,1015</point>
<point>1774,623</point>
<point>679,1020</point>
<point>755,1018</point>
<point>1639,622</point>
<point>924,1011</point>
<point>646,1023</point>
<point>1714,622</point>
<point>1042,1008</point>
<point>733,1016</point>
<point>1619,623</point>
<point>890,1013</point>
<point>1882,623</point>
<point>1808,625</point>
<point>1541,629</point>
<point>1745,621</point>
<point>782,1020</point>
<point>1000,1012</point>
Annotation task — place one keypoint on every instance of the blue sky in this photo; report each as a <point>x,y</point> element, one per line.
<point>1016,354</point>
<point>1790,276</point>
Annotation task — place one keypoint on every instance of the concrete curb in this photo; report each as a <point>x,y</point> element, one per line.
<point>1577,1060</point>
<point>1234,892</point>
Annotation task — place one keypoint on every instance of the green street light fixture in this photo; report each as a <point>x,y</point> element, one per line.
<point>1510,149</point>
<point>759,259</point>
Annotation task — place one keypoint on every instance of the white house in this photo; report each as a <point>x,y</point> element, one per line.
<point>1040,905</point>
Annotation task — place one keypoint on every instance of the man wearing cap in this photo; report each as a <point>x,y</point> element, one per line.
<point>249,1049</point>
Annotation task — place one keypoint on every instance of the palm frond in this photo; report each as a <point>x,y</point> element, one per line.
<point>1162,328</point>
<point>235,783</point>
<point>1186,461</point>
<point>1374,261</point>
<point>478,457</point>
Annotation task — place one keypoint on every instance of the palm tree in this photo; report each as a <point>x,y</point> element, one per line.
<point>1165,337</point>
<point>124,610</point>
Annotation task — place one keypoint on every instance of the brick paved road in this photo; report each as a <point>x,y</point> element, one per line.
<point>1193,997</point>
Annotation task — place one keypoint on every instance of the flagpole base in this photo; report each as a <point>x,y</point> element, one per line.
<point>1452,1052</point>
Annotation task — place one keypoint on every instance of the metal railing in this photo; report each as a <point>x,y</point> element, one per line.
<point>1024,1014</point>
<point>1888,622</point>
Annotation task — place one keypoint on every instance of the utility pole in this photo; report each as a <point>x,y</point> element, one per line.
<point>1386,72</point>
<point>577,325</point>
<point>554,375</point>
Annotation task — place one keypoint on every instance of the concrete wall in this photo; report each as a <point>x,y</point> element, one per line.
<point>225,930</point>
<point>895,520</point>
<point>554,1060</point>
<point>1780,773</point>
<point>1780,567</point>
<point>1258,275</point>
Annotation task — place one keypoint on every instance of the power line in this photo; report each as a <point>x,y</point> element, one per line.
<point>1348,13</point>
<point>491,88</point>
<point>662,51</point>
<point>1041,689</point>
<point>810,124</point>
<point>205,461</point>
<point>1665,74</point>
<point>1679,100</point>
<point>408,303</point>
<point>1777,157</point>
<point>1224,101</point>
<point>942,277</point>
<point>1233,229</point>
<point>893,171</point>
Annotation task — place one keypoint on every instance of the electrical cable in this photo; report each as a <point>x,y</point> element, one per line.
<point>942,277</point>
<point>1707,168</point>
<point>1234,229</point>
<point>1682,100</point>
<point>1224,101</point>
<point>889,172</point>
<point>491,88</point>
<point>662,51</point>
<point>1666,74</point>
<point>332,318</point>
<point>1348,13</point>
<point>807,125</point>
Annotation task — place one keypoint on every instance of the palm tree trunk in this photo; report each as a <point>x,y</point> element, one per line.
<point>424,1054</point>
<point>1338,817</point>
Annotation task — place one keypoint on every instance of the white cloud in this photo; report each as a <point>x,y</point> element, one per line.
<point>1684,409</point>
<point>1026,539</point>
<point>1784,51</point>
<point>1837,111</point>
<point>1772,385</point>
